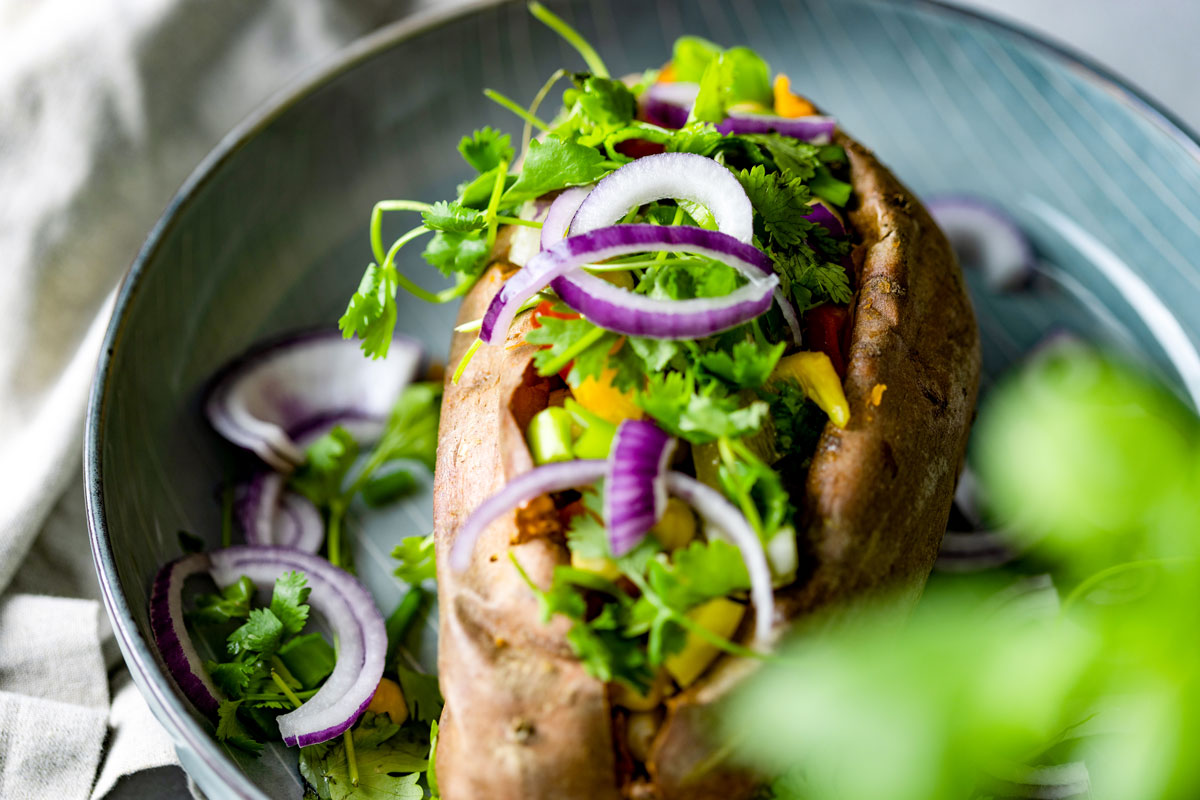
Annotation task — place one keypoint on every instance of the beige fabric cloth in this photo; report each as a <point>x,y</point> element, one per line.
<point>105,107</point>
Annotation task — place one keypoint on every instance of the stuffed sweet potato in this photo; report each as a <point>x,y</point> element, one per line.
<point>713,379</point>
<point>523,718</point>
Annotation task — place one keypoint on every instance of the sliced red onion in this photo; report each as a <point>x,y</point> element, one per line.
<point>562,211</point>
<point>269,515</point>
<point>821,215</point>
<point>352,616</point>
<point>278,397</point>
<point>817,130</point>
<point>166,623</point>
<point>985,238</point>
<point>677,176</point>
<point>718,512</point>
<point>668,104</point>
<point>535,483</point>
<point>635,490</point>
<point>624,312</point>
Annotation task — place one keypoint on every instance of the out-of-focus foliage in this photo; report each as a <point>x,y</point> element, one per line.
<point>976,693</point>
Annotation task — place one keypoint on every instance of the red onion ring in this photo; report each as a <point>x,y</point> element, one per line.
<point>816,130</point>
<point>668,104</point>
<point>562,211</point>
<point>269,515</point>
<point>279,396</point>
<point>677,176</point>
<point>174,645</point>
<point>635,490</point>
<point>719,513</point>
<point>350,612</point>
<point>521,489</point>
<point>985,238</point>
<point>626,312</point>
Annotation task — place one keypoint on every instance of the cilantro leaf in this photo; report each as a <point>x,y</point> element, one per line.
<point>371,312</point>
<point>829,188</point>
<point>476,193</point>
<point>756,487</point>
<point>486,149</point>
<point>698,573</point>
<point>232,603</point>
<point>453,217</point>
<point>555,164</point>
<point>698,137</point>
<point>691,55</point>
<point>694,277</point>
<point>288,601</point>
<point>457,252</point>
<point>655,354</point>
<point>261,633</point>
<point>698,416</point>
<point>328,460</point>
<point>233,677</point>
<point>412,426</point>
<point>607,103</point>
<point>798,421</point>
<point>738,75</point>
<point>793,157</point>
<point>562,334</point>
<point>229,728</point>
<point>811,282</point>
<point>748,365</point>
<point>417,559</point>
<point>781,203</point>
<point>422,694</point>
<point>309,658</point>
<point>588,537</point>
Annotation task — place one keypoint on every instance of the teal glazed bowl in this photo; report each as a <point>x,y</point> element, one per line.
<point>269,235</point>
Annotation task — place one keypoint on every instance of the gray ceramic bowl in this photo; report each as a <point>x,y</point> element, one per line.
<point>269,235</point>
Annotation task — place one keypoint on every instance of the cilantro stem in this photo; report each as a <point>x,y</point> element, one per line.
<point>572,37</point>
<point>661,255</point>
<point>377,221</point>
<point>400,620</point>
<point>287,690</point>
<point>690,624</point>
<point>351,759</point>
<point>512,106</point>
<point>476,324</point>
<point>745,501</point>
<point>527,133</point>
<point>334,535</point>
<point>568,355</point>
<point>301,695</point>
<point>494,204</point>
<point>227,514</point>
<point>528,223</point>
<point>282,669</point>
<point>463,285</point>
<point>466,359</point>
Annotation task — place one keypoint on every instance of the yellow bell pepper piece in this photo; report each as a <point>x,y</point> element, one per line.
<point>788,104</point>
<point>721,616</point>
<point>389,699</point>
<point>604,567</point>
<point>677,526</point>
<point>820,382</point>
<point>599,396</point>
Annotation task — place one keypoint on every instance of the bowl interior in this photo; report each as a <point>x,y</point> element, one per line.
<point>270,236</point>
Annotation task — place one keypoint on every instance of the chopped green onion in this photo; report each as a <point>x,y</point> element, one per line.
<point>549,436</point>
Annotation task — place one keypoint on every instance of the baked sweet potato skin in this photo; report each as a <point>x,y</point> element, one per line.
<point>878,492</point>
<point>523,720</point>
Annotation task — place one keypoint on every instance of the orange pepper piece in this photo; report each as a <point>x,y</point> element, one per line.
<point>667,73</point>
<point>788,104</point>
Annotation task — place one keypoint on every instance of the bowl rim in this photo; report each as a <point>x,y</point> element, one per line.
<point>169,706</point>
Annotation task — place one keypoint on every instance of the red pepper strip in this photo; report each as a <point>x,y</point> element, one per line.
<point>826,326</point>
<point>546,309</point>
